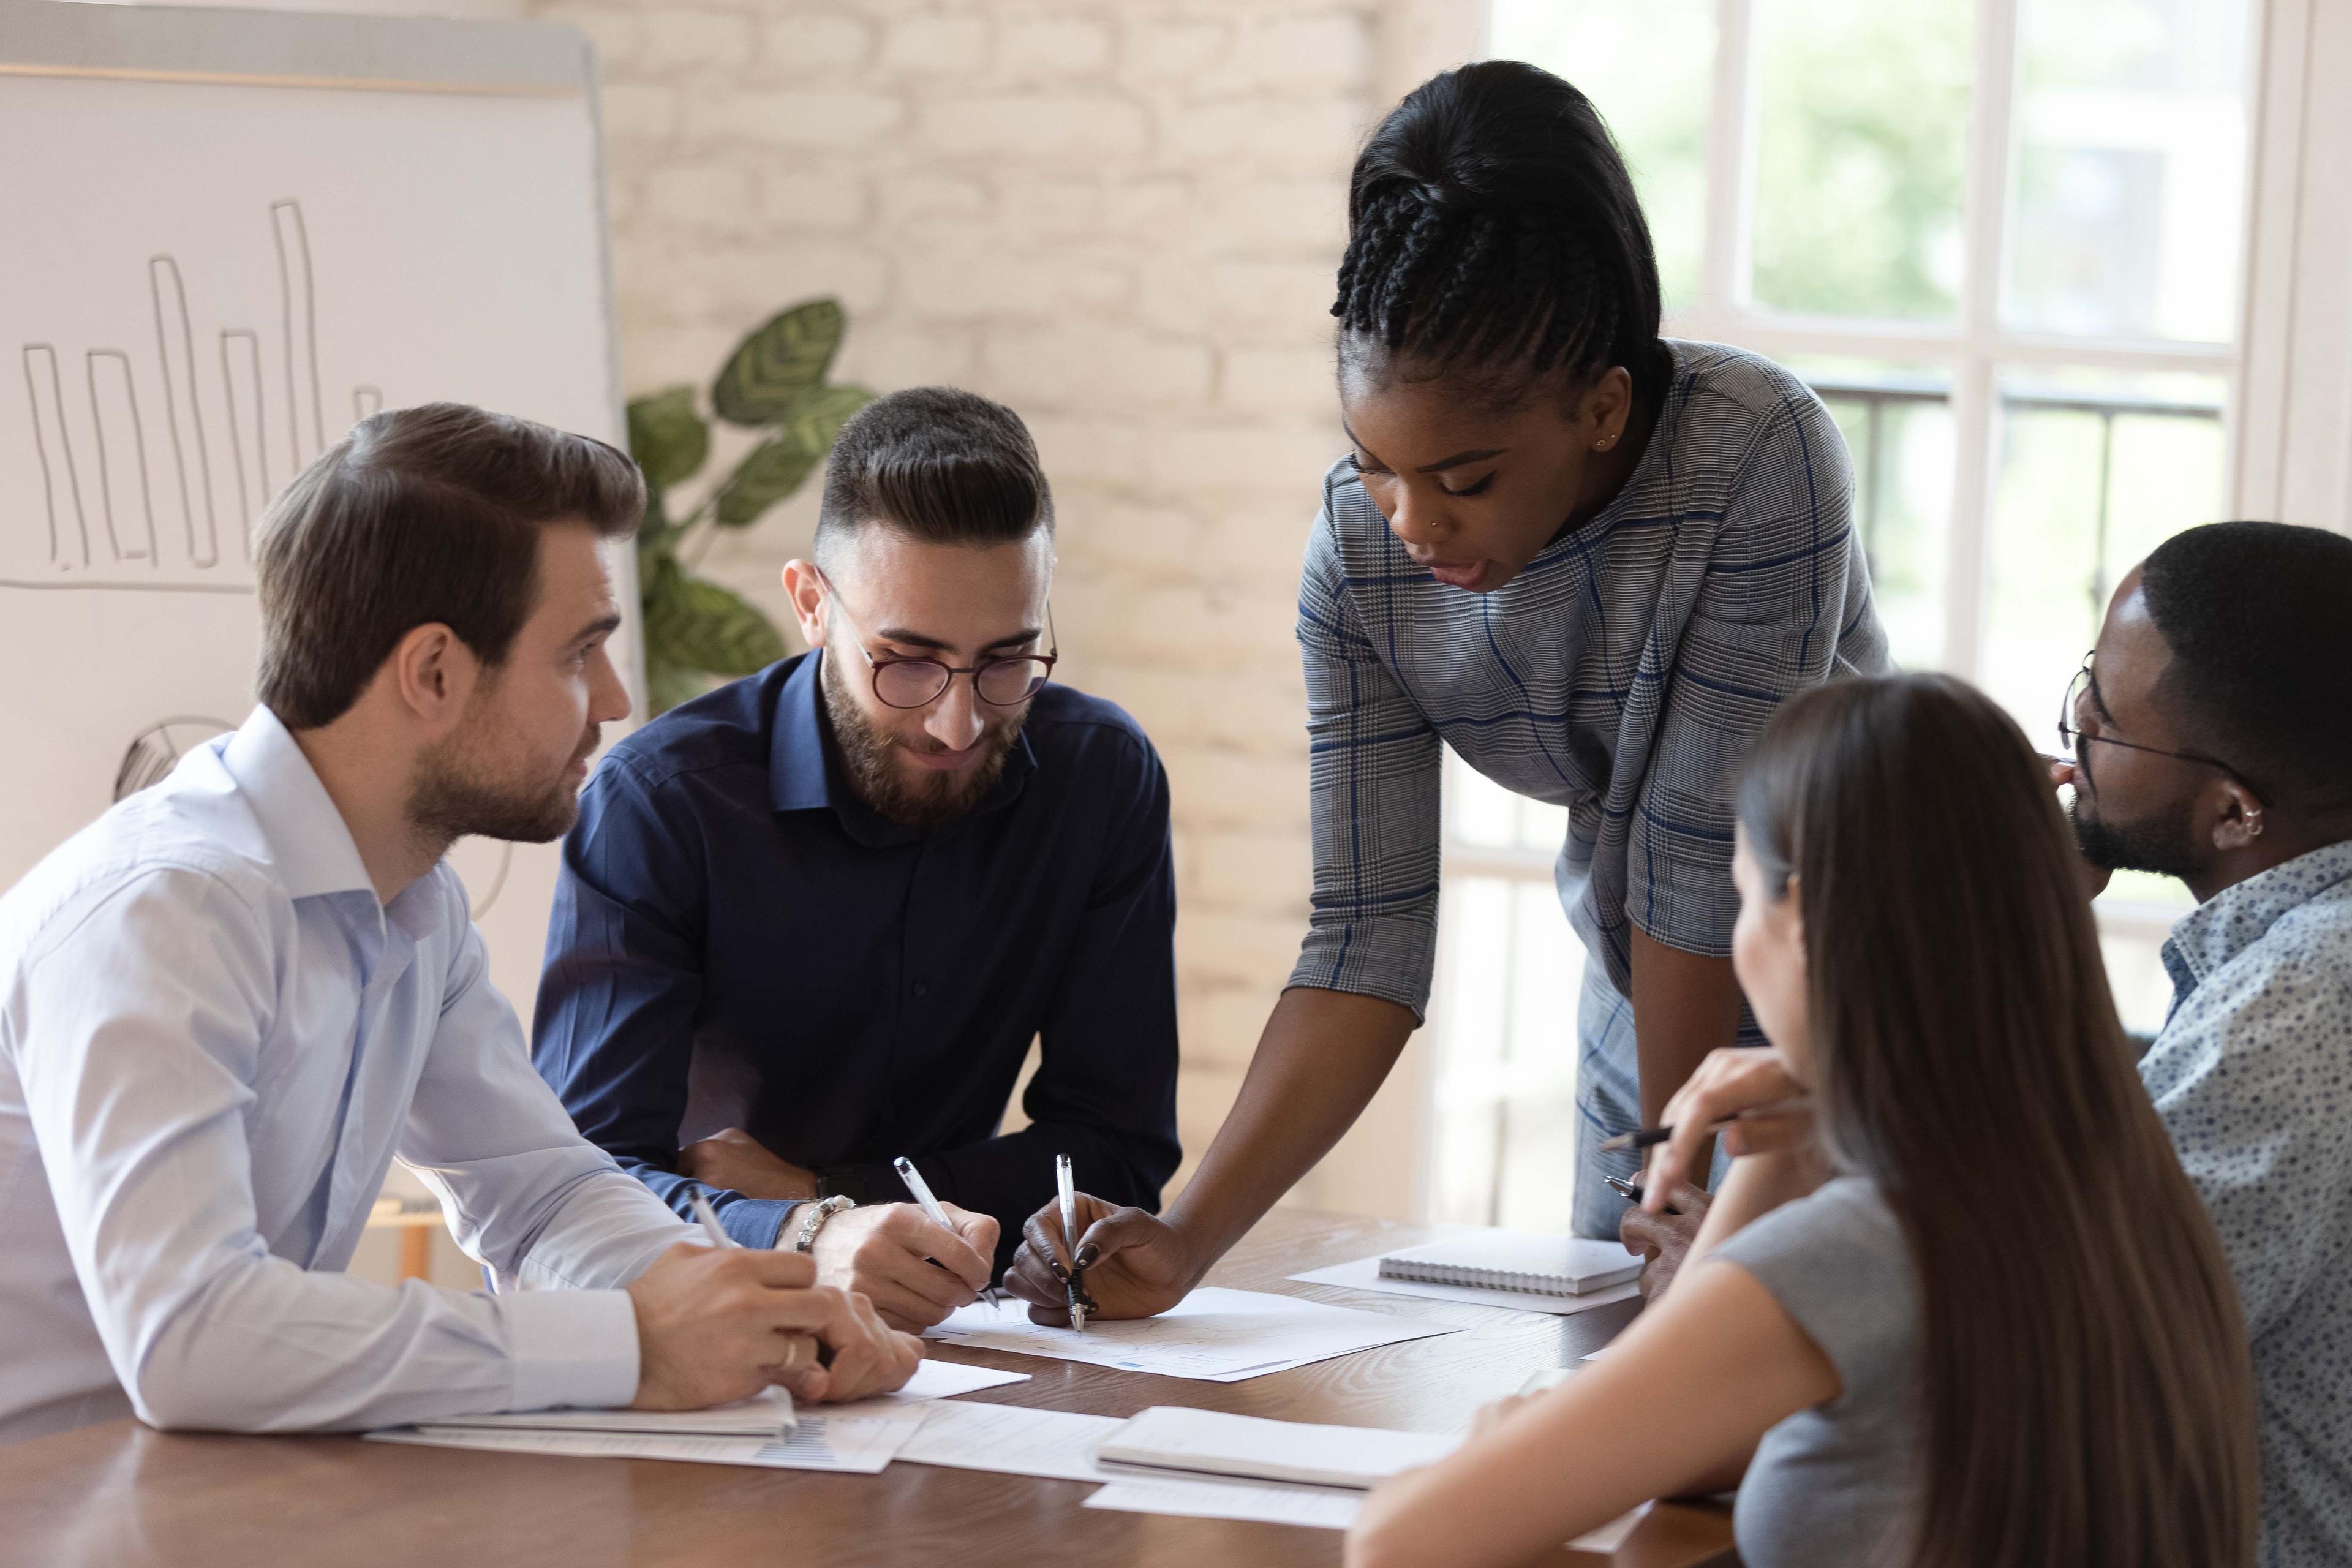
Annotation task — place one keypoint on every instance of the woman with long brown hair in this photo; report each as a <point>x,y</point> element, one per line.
<point>1963,1309</point>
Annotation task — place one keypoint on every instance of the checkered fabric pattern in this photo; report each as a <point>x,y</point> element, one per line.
<point>1622,675</point>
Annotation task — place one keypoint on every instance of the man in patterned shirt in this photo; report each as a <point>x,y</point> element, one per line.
<point>2211,737</point>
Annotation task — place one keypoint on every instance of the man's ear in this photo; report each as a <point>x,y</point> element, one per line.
<point>433,673</point>
<point>2236,814</point>
<point>806,590</point>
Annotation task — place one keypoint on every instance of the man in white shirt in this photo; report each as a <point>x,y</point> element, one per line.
<point>227,1005</point>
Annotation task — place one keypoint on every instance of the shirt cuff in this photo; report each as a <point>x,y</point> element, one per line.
<point>756,1222</point>
<point>570,1347</point>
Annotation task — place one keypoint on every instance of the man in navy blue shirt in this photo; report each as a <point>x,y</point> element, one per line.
<point>811,921</point>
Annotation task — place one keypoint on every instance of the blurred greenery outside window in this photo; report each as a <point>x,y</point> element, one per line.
<point>2018,299</point>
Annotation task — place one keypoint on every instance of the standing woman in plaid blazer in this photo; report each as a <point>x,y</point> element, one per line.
<point>1591,561</point>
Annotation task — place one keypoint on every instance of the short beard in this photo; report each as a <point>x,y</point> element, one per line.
<point>458,793</point>
<point>877,778</point>
<point>2159,844</point>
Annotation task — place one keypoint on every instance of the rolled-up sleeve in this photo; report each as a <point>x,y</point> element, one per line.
<point>1784,586</point>
<point>1374,764</point>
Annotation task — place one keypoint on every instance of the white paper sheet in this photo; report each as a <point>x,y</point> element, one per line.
<point>766,1414</point>
<point>938,1379</point>
<point>1317,1508</point>
<point>1213,1334</point>
<point>1364,1274</point>
<point>1012,1441</point>
<point>861,1444</point>
<point>1177,1438</point>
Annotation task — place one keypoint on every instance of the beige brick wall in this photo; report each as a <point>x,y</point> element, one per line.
<point>1121,216</point>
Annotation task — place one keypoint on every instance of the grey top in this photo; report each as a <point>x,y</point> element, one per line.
<point>2250,1077</point>
<point>1832,1485</point>
<point>1623,675</point>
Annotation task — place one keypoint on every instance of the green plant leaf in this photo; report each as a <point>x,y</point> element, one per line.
<point>778,466</point>
<point>701,625</point>
<point>667,436</point>
<point>790,352</point>
<point>773,470</point>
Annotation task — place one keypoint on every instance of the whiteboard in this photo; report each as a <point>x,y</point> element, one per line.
<point>229,236</point>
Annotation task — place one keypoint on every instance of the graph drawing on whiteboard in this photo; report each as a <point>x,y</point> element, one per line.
<point>149,492</point>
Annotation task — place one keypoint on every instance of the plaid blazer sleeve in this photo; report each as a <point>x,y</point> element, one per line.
<point>1374,770</point>
<point>1783,587</point>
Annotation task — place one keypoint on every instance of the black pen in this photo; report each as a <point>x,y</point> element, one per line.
<point>1632,1190</point>
<point>1650,1136</point>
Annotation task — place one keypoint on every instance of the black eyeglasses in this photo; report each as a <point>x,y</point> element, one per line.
<point>2072,732</point>
<point>1005,682</point>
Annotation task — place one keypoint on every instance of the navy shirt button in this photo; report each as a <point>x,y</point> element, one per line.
<point>922,988</point>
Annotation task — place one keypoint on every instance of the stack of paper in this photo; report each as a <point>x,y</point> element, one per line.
<point>1172,1437</point>
<point>1313,1508</point>
<point>862,1443</point>
<point>1215,1335</point>
<point>761,1430</point>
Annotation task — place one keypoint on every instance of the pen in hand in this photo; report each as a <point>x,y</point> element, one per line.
<point>1066,1186</point>
<point>936,1214</point>
<point>788,1419</point>
<point>1649,1137</point>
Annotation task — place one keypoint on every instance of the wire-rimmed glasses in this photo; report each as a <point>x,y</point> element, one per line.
<point>1000,680</point>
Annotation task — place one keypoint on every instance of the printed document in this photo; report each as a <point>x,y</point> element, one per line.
<point>1012,1440</point>
<point>1215,1335</point>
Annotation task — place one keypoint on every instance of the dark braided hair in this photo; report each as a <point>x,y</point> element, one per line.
<point>1494,236</point>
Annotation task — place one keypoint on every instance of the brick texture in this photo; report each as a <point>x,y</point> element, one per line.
<point>1121,216</point>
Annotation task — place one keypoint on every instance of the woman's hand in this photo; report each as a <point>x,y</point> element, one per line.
<point>1730,1080</point>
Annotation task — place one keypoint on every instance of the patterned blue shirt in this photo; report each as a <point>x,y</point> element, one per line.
<point>2252,1074</point>
<point>1622,675</point>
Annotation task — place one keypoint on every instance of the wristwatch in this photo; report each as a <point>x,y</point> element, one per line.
<point>814,1215</point>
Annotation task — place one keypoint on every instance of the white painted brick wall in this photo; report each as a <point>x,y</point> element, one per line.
<point>1121,216</point>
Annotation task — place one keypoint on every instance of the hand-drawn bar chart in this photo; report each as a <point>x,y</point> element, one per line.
<point>155,466</point>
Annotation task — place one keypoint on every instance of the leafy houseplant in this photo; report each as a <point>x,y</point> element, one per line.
<point>774,383</point>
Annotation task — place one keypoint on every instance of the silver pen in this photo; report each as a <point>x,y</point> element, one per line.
<point>1067,1186</point>
<point>936,1214</point>
<point>788,1420</point>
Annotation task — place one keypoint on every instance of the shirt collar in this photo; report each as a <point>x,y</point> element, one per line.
<point>2233,920</point>
<point>313,846</point>
<point>804,776</point>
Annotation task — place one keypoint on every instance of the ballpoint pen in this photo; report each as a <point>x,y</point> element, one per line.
<point>1066,1185</point>
<point>1649,1136</point>
<point>936,1214</point>
<point>788,1420</point>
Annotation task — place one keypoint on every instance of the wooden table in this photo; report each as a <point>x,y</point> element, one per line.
<point>119,1494</point>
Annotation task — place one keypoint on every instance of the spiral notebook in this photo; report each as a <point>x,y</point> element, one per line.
<point>1517,1260</point>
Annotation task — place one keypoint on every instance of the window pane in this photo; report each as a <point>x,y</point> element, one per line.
<point>2096,471</point>
<point>1861,110</point>
<point>2127,210</point>
<point>1649,69</point>
<point>1898,424</point>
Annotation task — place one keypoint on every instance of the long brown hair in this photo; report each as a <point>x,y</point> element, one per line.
<point>2085,1395</point>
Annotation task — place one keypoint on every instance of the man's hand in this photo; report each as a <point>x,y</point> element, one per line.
<point>716,1324</point>
<point>886,1253</point>
<point>733,1161</point>
<point>1136,1263</point>
<point>1663,1239</point>
<point>2094,877</point>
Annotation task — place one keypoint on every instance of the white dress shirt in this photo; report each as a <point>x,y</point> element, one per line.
<point>213,1041</point>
